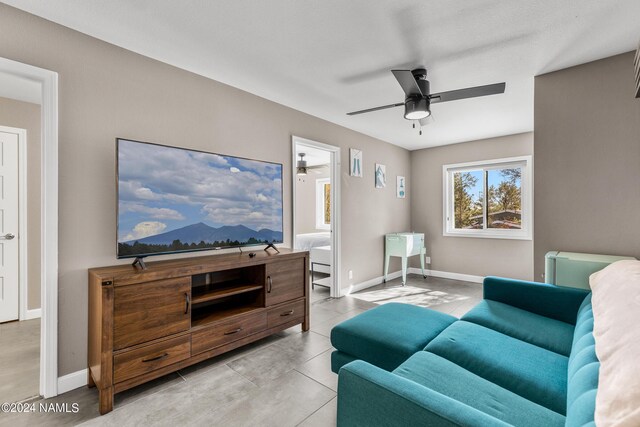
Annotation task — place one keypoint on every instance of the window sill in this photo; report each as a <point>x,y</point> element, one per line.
<point>522,236</point>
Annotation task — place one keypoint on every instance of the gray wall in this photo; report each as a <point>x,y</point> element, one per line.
<point>587,160</point>
<point>106,91</point>
<point>25,115</point>
<point>466,255</point>
<point>306,200</point>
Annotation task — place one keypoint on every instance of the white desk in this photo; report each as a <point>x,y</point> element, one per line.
<point>403,245</point>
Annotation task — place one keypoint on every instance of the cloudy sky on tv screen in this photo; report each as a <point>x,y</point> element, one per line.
<point>172,199</point>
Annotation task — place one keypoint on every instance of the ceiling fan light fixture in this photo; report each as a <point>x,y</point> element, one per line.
<point>416,108</point>
<point>301,167</point>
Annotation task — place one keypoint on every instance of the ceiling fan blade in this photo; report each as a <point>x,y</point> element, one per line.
<point>407,82</point>
<point>368,110</point>
<point>470,92</point>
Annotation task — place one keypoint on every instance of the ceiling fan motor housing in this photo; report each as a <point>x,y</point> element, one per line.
<point>416,108</point>
<point>420,74</point>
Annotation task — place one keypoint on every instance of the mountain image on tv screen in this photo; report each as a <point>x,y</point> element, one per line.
<point>175,200</point>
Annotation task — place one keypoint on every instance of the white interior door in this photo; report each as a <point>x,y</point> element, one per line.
<point>9,260</point>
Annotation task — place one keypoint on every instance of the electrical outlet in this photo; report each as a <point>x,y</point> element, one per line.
<point>350,274</point>
<point>427,259</point>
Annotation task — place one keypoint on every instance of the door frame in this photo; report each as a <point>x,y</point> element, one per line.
<point>48,218</point>
<point>335,290</point>
<point>23,240</point>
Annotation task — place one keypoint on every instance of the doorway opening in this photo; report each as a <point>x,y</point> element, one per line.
<point>316,213</point>
<point>33,350</point>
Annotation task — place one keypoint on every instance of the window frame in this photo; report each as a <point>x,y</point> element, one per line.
<point>526,188</point>
<point>320,224</point>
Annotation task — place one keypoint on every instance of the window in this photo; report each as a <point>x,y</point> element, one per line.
<point>323,204</point>
<point>488,199</point>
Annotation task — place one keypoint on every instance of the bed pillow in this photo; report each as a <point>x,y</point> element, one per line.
<point>616,313</point>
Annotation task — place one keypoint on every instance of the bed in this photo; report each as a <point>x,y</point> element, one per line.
<point>321,258</point>
<point>319,247</point>
<point>307,241</point>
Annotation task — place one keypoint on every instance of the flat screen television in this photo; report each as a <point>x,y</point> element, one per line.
<point>174,200</point>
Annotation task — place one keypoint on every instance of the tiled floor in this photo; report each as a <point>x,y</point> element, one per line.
<point>19,360</point>
<point>282,380</point>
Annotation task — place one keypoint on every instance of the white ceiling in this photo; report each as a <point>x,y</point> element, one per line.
<point>333,56</point>
<point>19,88</point>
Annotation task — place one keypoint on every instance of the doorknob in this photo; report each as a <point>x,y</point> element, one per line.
<point>8,236</point>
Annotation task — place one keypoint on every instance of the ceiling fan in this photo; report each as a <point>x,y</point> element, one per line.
<point>417,104</point>
<point>302,168</point>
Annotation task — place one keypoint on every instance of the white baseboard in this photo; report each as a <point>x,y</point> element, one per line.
<point>412,270</point>
<point>72,381</point>
<point>36,313</point>
<point>448,275</point>
<point>370,283</point>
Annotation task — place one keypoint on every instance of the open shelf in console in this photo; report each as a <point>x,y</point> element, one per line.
<point>204,293</point>
<point>223,294</point>
<point>221,284</point>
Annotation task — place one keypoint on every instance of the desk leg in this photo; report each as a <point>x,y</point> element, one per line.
<point>386,267</point>
<point>404,270</point>
<point>422,255</point>
<point>313,274</point>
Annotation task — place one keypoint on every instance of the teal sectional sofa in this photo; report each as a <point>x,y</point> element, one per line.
<point>524,356</point>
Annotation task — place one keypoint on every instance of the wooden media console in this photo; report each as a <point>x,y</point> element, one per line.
<point>147,323</point>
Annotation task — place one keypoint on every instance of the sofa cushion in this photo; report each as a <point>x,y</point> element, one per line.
<point>530,371</point>
<point>369,396</point>
<point>387,335</point>
<point>542,331</point>
<point>447,378</point>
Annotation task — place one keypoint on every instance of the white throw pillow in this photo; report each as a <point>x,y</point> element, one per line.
<point>616,314</point>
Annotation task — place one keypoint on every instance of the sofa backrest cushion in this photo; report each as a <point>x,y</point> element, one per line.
<point>556,302</point>
<point>616,310</point>
<point>582,374</point>
<point>545,332</point>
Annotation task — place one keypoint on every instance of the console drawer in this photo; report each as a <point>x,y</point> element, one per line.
<point>285,313</point>
<point>146,359</point>
<point>228,331</point>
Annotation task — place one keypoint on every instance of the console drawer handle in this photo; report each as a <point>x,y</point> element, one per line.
<point>187,301</point>
<point>288,313</point>
<point>235,331</point>
<point>269,284</point>
<point>153,359</point>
